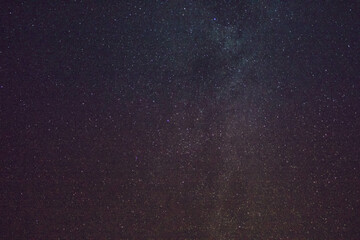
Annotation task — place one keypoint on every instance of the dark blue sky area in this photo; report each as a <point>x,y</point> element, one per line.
<point>180,120</point>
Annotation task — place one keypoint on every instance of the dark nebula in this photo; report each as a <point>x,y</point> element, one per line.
<point>180,120</point>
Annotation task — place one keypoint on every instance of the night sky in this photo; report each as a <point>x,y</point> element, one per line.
<point>180,119</point>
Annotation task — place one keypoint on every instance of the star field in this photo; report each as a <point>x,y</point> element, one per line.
<point>180,120</point>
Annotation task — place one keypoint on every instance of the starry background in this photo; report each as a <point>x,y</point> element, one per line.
<point>180,120</point>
